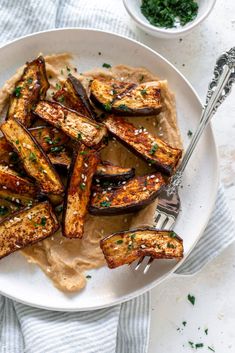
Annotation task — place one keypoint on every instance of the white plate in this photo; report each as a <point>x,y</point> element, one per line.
<point>26,282</point>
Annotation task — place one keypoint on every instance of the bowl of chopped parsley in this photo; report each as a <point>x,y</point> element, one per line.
<point>168,18</point>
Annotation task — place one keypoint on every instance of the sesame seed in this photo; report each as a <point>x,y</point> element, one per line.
<point>94,194</point>
<point>86,165</point>
<point>143,246</point>
<point>104,192</point>
<point>4,187</point>
<point>75,212</point>
<point>17,201</point>
<point>83,176</point>
<point>17,183</point>
<point>144,188</point>
<point>44,230</point>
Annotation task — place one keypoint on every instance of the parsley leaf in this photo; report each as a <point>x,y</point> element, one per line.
<point>107,66</point>
<point>191,298</point>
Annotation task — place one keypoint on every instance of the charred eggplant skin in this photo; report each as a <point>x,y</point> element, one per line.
<point>82,169</point>
<point>32,86</point>
<point>106,171</point>
<point>35,162</point>
<point>78,127</point>
<point>130,197</point>
<point>27,227</point>
<point>154,150</point>
<point>125,247</point>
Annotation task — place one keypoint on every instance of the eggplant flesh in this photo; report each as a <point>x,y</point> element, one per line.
<point>157,152</point>
<point>106,171</point>
<point>27,227</point>
<point>129,197</point>
<point>34,160</point>
<point>77,197</point>
<point>125,98</point>
<point>73,96</point>
<point>11,180</point>
<point>49,138</point>
<point>28,90</point>
<point>103,93</point>
<point>6,208</point>
<point>77,126</point>
<point>125,247</point>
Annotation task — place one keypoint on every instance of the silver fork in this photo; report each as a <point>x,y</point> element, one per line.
<point>219,88</point>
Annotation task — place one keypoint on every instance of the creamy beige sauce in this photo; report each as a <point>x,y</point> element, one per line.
<point>67,261</point>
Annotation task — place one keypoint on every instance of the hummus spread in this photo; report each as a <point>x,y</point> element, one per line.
<point>67,261</point>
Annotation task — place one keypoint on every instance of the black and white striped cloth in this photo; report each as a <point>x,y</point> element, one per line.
<point>123,328</point>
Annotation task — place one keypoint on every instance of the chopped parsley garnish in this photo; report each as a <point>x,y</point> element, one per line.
<point>191,298</point>
<point>210,348</point>
<point>130,246</point>
<point>3,210</point>
<point>43,221</point>
<point>133,236</point>
<point>82,186</point>
<point>17,142</point>
<point>199,345</point>
<point>189,133</point>
<point>57,86</point>
<point>165,13</point>
<point>30,80</point>
<point>206,331</point>
<point>105,204</point>
<point>184,323</point>
<point>17,91</point>
<point>153,149</point>
<point>191,344</point>
<point>123,107</point>
<point>107,106</point>
<point>88,276</point>
<point>170,245</point>
<point>119,241</point>
<point>172,234</point>
<point>141,78</point>
<point>107,66</point>
<point>79,136</point>
<point>56,149</point>
<point>143,92</point>
<point>61,99</point>
<point>83,152</point>
<point>62,71</point>
<point>48,140</point>
<point>32,157</point>
<point>68,69</point>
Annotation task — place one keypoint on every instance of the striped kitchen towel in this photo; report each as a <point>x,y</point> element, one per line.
<point>122,328</point>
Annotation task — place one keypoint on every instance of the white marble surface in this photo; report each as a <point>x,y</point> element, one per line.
<point>214,286</point>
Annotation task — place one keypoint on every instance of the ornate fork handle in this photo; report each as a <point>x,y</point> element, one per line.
<point>218,90</point>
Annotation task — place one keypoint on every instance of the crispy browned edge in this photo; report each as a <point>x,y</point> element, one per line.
<point>49,130</point>
<point>141,252</point>
<point>114,210</point>
<point>71,171</point>
<point>39,148</point>
<point>81,94</point>
<point>166,169</point>
<point>121,174</point>
<point>39,90</point>
<point>18,213</point>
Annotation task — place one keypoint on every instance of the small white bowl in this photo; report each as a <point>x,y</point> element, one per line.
<point>133,8</point>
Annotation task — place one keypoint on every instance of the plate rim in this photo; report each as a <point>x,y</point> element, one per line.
<point>153,284</point>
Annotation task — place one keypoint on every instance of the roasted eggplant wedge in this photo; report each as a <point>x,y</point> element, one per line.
<point>124,98</point>
<point>157,152</point>
<point>28,90</point>
<point>77,198</point>
<point>107,171</point>
<point>71,123</point>
<point>61,159</point>
<point>73,96</point>
<point>145,99</point>
<point>103,93</point>
<point>125,247</point>
<point>27,227</point>
<point>10,180</point>
<point>129,197</point>
<point>18,199</point>
<point>6,208</point>
<point>49,138</point>
<point>34,160</point>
